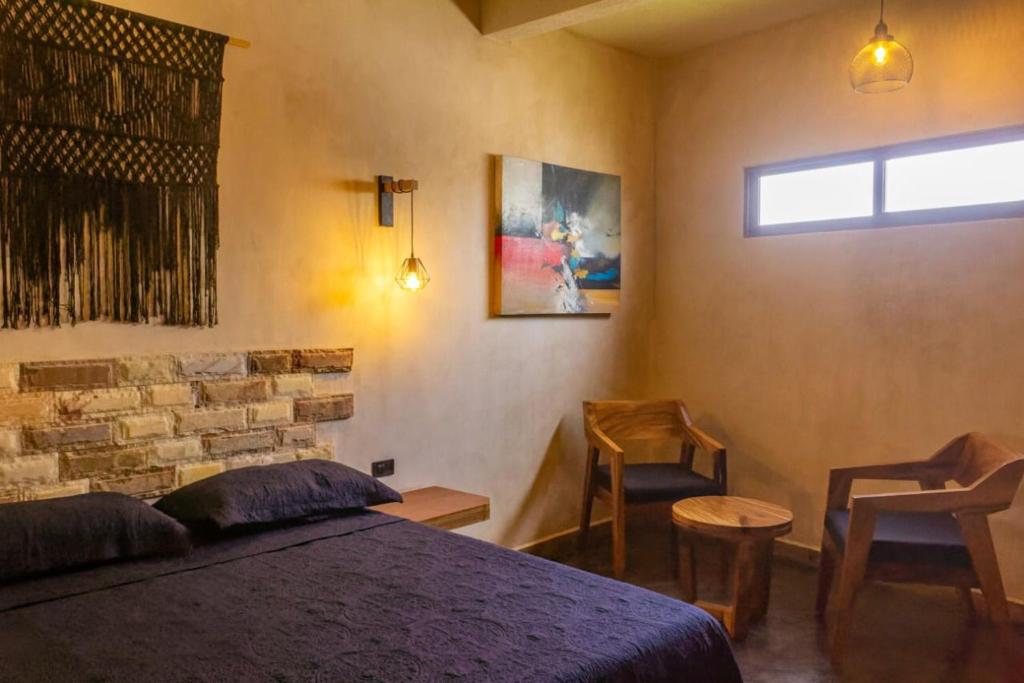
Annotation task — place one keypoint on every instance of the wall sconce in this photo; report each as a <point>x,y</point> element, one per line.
<point>412,275</point>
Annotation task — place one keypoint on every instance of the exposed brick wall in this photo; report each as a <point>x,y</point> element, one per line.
<point>144,425</point>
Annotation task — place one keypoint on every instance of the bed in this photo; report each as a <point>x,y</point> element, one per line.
<point>362,596</point>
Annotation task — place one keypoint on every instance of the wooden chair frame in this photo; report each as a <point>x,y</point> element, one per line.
<point>988,475</point>
<point>636,421</point>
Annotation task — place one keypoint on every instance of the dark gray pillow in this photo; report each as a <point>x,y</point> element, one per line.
<point>274,493</point>
<point>47,535</point>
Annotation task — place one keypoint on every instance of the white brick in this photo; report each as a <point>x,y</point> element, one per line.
<point>200,470</point>
<point>45,491</point>
<point>30,469</point>
<point>299,384</point>
<point>145,427</point>
<point>270,413</point>
<point>162,395</point>
<point>212,364</point>
<point>90,402</point>
<point>177,450</point>
<point>274,458</point>
<point>146,370</point>
<point>319,452</point>
<point>9,374</point>
<point>10,443</point>
<point>331,384</point>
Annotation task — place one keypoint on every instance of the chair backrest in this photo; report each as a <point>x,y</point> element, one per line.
<point>638,420</point>
<point>977,462</point>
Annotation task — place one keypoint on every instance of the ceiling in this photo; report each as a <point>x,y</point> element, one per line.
<point>663,28</point>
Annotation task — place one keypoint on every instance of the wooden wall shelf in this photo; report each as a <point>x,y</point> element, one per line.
<point>440,507</point>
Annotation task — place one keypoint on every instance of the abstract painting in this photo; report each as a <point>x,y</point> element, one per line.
<point>558,241</point>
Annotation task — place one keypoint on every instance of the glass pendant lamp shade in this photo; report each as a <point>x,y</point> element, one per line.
<point>413,275</point>
<point>883,65</point>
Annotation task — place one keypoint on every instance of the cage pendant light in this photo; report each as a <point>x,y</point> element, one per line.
<point>883,65</point>
<point>413,275</point>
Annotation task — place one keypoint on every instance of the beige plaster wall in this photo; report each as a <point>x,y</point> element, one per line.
<point>332,93</point>
<point>805,352</point>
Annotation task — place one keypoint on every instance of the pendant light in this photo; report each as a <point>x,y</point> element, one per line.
<point>412,276</point>
<point>883,65</point>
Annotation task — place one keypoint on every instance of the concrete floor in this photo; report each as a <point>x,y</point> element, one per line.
<point>900,633</point>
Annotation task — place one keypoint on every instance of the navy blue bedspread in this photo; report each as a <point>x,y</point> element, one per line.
<point>365,597</point>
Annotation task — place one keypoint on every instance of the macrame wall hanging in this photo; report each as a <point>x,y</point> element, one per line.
<point>109,130</point>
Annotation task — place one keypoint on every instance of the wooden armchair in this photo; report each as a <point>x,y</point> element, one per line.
<point>607,423</point>
<point>936,536</point>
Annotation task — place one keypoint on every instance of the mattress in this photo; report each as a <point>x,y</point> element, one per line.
<point>362,597</point>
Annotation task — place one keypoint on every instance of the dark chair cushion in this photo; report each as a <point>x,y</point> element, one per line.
<point>657,482</point>
<point>908,537</point>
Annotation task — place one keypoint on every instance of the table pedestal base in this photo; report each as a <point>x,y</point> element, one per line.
<point>749,578</point>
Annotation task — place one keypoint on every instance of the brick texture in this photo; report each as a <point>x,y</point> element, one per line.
<point>155,482</point>
<point>151,426</point>
<point>10,443</point>
<point>53,438</point>
<point>270,362</point>
<point>75,404</point>
<point>61,490</point>
<point>324,360</point>
<point>26,409</point>
<point>165,395</point>
<point>297,435</point>
<point>41,469</point>
<point>177,450</point>
<point>226,444</point>
<point>197,365</point>
<point>210,421</point>
<point>188,474</point>
<point>293,385</point>
<point>146,370</point>
<point>322,452</point>
<point>270,413</point>
<point>143,425</point>
<point>73,375</point>
<point>89,464</point>
<point>9,374</point>
<point>237,391</point>
<point>324,409</point>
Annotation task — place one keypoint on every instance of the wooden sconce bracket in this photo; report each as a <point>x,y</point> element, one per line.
<point>387,187</point>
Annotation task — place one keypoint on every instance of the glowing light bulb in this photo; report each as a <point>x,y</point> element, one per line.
<point>412,276</point>
<point>881,54</point>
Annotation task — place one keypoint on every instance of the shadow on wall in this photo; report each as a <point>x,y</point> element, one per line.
<point>539,504</point>
<point>360,260</point>
<point>750,475</point>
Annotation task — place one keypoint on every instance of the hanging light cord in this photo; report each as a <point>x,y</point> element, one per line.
<point>881,13</point>
<point>412,224</point>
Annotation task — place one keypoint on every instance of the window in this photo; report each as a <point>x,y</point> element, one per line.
<point>971,177</point>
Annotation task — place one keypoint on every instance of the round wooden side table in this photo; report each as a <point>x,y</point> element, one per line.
<point>750,527</point>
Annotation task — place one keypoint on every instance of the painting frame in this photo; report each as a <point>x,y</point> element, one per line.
<point>557,240</point>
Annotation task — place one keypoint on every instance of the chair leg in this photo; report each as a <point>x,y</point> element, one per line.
<point>588,500</point>
<point>826,571</point>
<point>619,540</point>
<point>618,517</point>
<point>968,600</point>
<point>983,556</point>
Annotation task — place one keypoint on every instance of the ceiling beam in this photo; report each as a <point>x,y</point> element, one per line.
<point>514,19</point>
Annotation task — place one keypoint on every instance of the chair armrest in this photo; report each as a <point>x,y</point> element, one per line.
<point>944,500</point>
<point>840,479</point>
<point>701,440</point>
<point>596,438</point>
<point>708,444</point>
